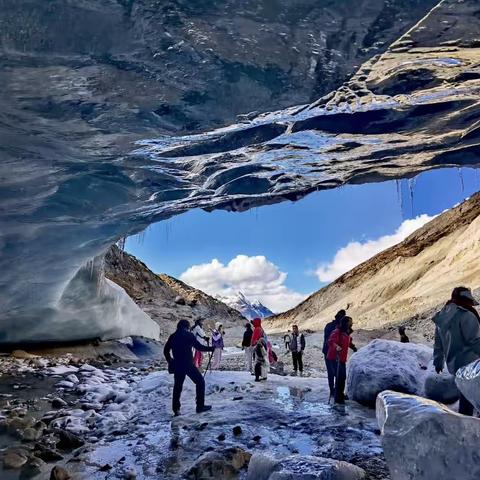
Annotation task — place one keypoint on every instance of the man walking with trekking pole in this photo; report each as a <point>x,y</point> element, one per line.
<point>180,344</point>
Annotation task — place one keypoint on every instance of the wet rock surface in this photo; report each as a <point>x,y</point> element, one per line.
<point>387,365</point>
<point>421,439</point>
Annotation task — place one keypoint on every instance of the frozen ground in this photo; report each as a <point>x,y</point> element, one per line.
<point>123,414</point>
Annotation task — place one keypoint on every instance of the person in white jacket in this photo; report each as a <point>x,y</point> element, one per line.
<point>202,339</point>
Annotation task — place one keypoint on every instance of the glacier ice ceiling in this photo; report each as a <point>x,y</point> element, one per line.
<point>95,105</point>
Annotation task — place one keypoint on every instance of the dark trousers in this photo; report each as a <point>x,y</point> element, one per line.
<point>465,407</point>
<point>331,371</point>
<point>339,371</point>
<point>196,377</point>
<point>297,361</point>
<point>258,370</point>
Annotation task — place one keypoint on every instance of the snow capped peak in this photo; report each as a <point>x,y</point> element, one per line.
<point>246,307</point>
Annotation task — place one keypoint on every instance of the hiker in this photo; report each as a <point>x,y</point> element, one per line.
<point>338,344</point>
<point>261,360</point>
<point>217,342</point>
<point>457,337</point>
<point>247,346</point>
<point>180,344</point>
<point>297,346</point>
<point>329,328</point>
<point>258,331</point>
<point>201,338</point>
<point>403,336</point>
<point>287,340</point>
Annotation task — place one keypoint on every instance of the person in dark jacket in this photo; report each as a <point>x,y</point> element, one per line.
<point>457,337</point>
<point>247,346</point>
<point>338,344</point>
<point>297,346</point>
<point>403,336</point>
<point>180,344</point>
<point>329,328</point>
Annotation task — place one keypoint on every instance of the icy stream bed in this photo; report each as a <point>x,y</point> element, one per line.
<point>282,416</point>
<point>123,416</point>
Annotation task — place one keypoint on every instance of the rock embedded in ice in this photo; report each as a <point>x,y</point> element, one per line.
<point>441,387</point>
<point>468,382</point>
<point>224,464</point>
<point>61,370</point>
<point>298,467</point>
<point>424,440</point>
<point>387,365</point>
<point>59,403</point>
<point>68,440</point>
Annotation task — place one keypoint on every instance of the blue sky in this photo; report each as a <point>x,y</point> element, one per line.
<point>293,237</point>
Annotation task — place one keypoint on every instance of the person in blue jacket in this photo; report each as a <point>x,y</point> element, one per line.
<point>181,344</point>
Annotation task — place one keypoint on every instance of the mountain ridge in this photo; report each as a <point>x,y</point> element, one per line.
<point>400,282</point>
<point>164,298</point>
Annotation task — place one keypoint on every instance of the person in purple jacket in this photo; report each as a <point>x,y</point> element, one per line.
<point>217,343</point>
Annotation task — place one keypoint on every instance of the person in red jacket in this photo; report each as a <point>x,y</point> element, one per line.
<point>338,344</point>
<point>258,332</point>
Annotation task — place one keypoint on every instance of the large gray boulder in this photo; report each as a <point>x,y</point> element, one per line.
<point>301,467</point>
<point>468,382</point>
<point>387,365</point>
<point>424,440</point>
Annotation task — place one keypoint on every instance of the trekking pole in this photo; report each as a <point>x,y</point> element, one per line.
<point>208,364</point>
<point>337,375</point>
<point>209,360</point>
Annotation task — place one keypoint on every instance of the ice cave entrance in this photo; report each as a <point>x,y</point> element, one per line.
<point>303,245</point>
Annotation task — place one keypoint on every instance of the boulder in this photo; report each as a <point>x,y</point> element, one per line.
<point>224,464</point>
<point>300,467</point>
<point>387,365</point>
<point>468,382</point>
<point>14,458</point>
<point>424,440</point>
<point>59,473</point>
<point>441,387</point>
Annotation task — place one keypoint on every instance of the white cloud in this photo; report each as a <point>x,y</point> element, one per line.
<point>256,277</point>
<point>357,252</point>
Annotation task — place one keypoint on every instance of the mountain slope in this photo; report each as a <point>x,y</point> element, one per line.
<point>165,299</point>
<point>414,276</point>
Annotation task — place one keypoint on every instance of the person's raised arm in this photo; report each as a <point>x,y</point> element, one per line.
<point>198,346</point>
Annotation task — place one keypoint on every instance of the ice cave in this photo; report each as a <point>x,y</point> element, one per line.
<point>119,116</point>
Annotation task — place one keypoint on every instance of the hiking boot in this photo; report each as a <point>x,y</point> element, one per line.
<point>205,408</point>
<point>176,413</point>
